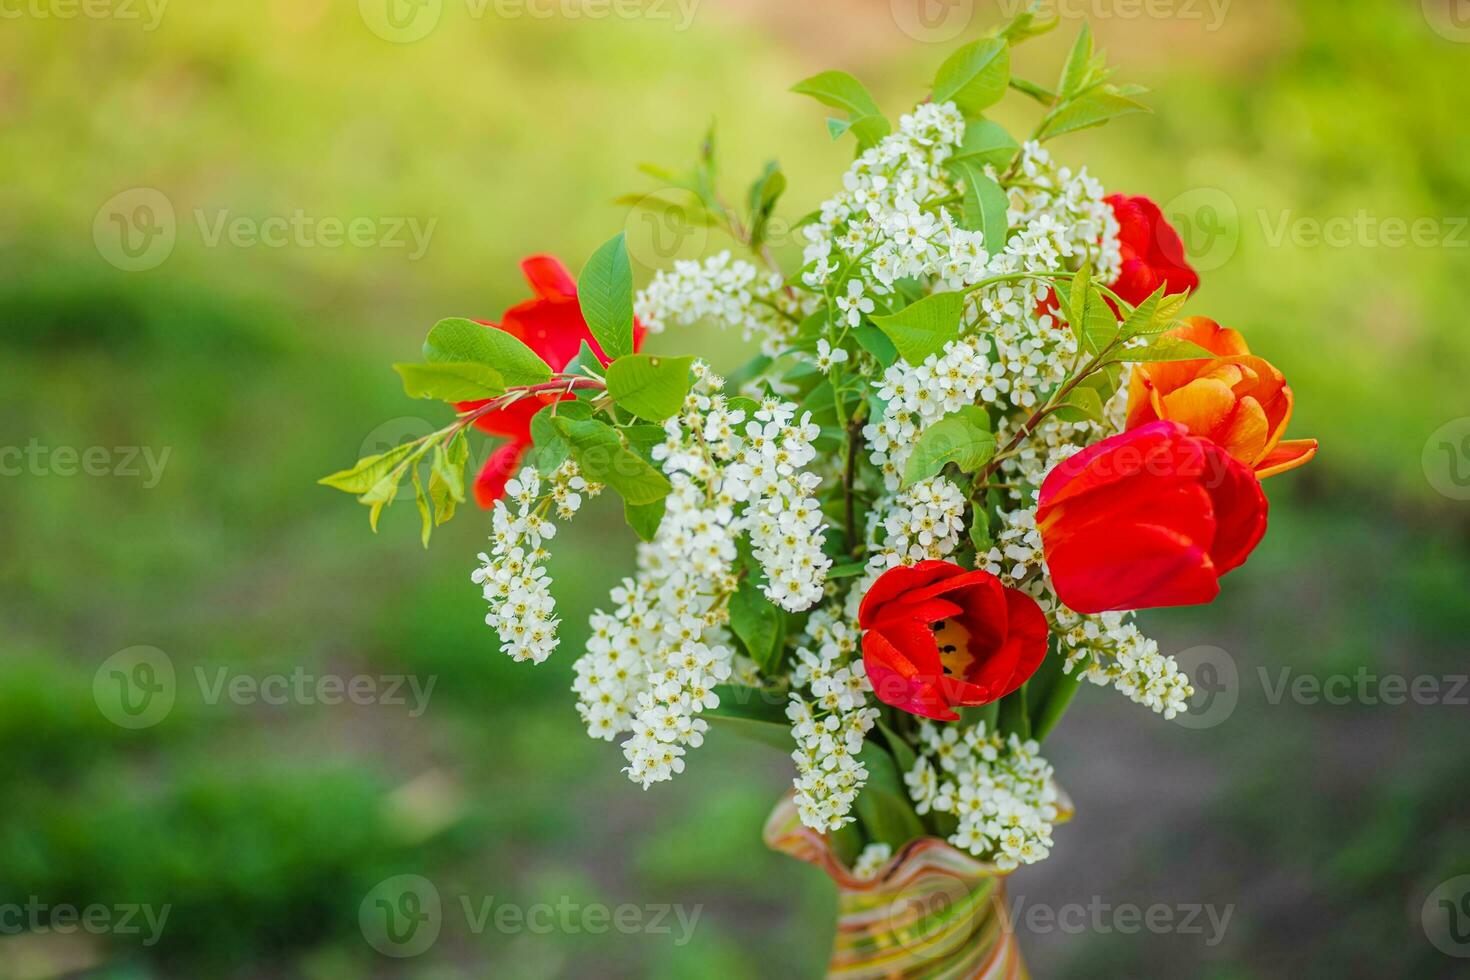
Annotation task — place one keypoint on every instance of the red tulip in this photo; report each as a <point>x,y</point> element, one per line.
<point>938,637</point>
<point>1151,517</point>
<point>551,324</point>
<point>1153,255</point>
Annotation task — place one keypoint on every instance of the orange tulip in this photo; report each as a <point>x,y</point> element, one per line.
<point>1235,399</point>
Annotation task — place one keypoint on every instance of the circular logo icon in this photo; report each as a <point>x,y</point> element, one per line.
<point>1446,917</point>
<point>1216,683</point>
<point>1446,459</point>
<point>401,21</point>
<point>1450,19</point>
<point>665,225</point>
<point>934,897</point>
<point>401,916</point>
<point>135,230</point>
<point>135,688</point>
<point>933,21</point>
<point>1208,223</point>
<point>395,432</point>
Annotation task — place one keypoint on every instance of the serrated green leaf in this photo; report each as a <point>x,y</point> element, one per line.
<point>458,381</point>
<point>986,205</point>
<point>446,476</point>
<point>758,625</point>
<point>1165,349</point>
<point>1079,64</point>
<point>975,77</point>
<point>645,519</point>
<point>457,340</point>
<point>875,342</point>
<point>650,387</point>
<point>923,328</point>
<point>426,518</point>
<point>842,91</point>
<point>1082,404</point>
<point>1100,326</point>
<point>1090,109</point>
<point>605,293</point>
<point>761,199</point>
<point>367,472</point>
<point>604,458</point>
<point>962,437</point>
<point>551,448</point>
<point>1141,320</point>
<point>986,142</point>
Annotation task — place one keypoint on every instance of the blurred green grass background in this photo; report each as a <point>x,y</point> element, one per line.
<point>260,368</point>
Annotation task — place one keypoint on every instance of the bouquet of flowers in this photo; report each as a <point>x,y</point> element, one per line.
<point>977,437</point>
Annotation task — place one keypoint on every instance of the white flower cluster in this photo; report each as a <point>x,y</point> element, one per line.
<point>1116,654</point>
<point>871,861</point>
<point>916,397</point>
<point>921,523</point>
<point>652,664</point>
<point>785,521</point>
<point>829,728</point>
<point>1015,554</point>
<point>512,575</point>
<point>1000,790</point>
<point>725,291</point>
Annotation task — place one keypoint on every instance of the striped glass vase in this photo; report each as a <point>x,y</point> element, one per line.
<point>932,911</point>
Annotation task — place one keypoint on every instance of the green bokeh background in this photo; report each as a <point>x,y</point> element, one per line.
<point>1323,827</point>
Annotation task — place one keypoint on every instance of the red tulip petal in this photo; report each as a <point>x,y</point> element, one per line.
<point>898,580</point>
<point>503,464</point>
<point>548,277</point>
<point>1105,462</point>
<point>1144,567</point>
<point>1240,509</point>
<point>899,683</point>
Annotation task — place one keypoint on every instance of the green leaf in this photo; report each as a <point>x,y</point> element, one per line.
<point>585,363</point>
<point>1040,93</point>
<point>650,387</point>
<point>1164,349</point>
<point>903,752</point>
<point>644,519</point>
<point>962,437</point>
<point>1014,719</point>
<point>986,205</point>
<point>1141,320</point>
<point>1058,698</point>
<point>457,340</point>
<point>841,91</point>
<point>923,328</point>
<point>1100,325</point>
<point>1090,109</point>
<point>603,458</point>
<point>605,292</point>
<point>1027,25</point>
<point>752,713</point>
<point>458,381</point>
<point>986,142</point>
<point>1076,301</point>
<point>758,624</point>
<point>975,77</point>
<point>1082,404</point>
<point>875,342</point>
<point>446,476</point>
<point>551,447</point>
<point>980,530</point>
<point>369,471</point>
<point>847,569</point>
<point>762,198</point>
<point>421,501</point>
<point>883,805</point>
<point>1079,64</point>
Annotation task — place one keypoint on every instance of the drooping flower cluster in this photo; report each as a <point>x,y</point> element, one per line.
<point>653,663</point>
<point>1000,791</point>
<point>923,522</point>
<point>1110,651</point>
<point>513,575</point>
<point>830,723</point>
<point>727,292</point>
